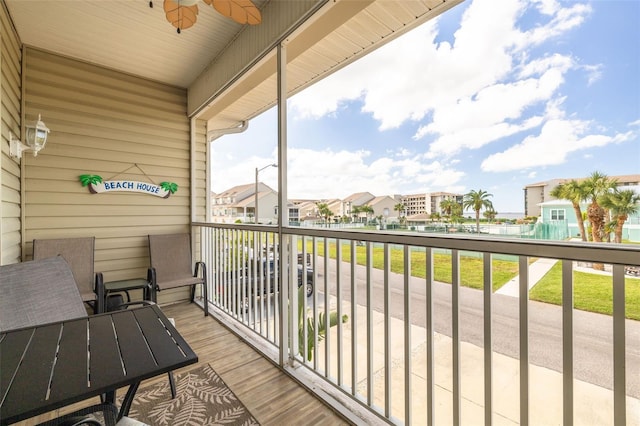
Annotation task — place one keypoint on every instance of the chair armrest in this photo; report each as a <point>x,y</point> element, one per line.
<point>200,266</point>
<point>153,280</point>
<point>99,290</point>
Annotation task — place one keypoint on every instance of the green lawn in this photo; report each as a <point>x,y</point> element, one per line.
<point>470,267</point>
<point>591,292</point>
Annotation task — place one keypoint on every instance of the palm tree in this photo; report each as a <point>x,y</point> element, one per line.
<point>368,210</point>
<point>324,211</point>
<point>576,192</point>
<point>446,206</point>
<point>597,186</point>
<point>490,214</point>
<point>456,213</point>
<point>355,211</point>
<point>400,209</point>
<point>477,200</point>
<point>622,203</point>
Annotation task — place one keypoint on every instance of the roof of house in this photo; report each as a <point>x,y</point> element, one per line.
<point>622,179</point>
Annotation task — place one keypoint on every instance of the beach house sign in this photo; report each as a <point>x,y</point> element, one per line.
<point>97,186</point>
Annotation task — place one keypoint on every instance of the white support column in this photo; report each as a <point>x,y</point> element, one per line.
<point>286,325</point>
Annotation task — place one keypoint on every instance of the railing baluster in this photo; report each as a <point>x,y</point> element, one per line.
<point>327,346</point>
<point>387,331</point>
<point>567,342</point>
<point>408,371</point>
<point>339,308</point>
<point>429,335</point>
<point>261,271</point>
<point>270,280</point>
<point>488,344</point>
<point>455,332</point>
<point>524,339</point>
<point>275,298</point>
<point>315,303</point>
<point>354,322</point>
<point>619,347</point>
<point>305,329</point>
<point>369,267</point>
<point>252,280</point>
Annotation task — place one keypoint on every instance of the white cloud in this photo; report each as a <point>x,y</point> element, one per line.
<point>314,174</point>
<point>557,139</point>
<point>475,91</point>
<point>594,73</point>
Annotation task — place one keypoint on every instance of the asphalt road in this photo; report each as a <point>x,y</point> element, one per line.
<point>593,333</point>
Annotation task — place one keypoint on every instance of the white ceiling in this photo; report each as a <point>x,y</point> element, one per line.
<point>126,35</point>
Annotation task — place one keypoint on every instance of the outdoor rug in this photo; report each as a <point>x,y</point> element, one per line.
<point>202,398</point>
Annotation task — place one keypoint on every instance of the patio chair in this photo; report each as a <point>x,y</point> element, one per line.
<point>78,252</point>
<point>170,256</point>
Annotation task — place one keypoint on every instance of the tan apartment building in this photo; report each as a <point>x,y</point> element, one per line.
<point>428,203</point>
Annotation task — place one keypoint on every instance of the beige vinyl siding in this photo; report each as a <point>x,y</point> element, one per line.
<point>10,101</point>
<point>200,167</point>
<point>119,127</point>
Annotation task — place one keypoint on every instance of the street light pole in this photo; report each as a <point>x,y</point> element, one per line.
<point>255,210</point>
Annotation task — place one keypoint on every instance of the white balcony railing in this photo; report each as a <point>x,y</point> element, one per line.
<point>414,350</point>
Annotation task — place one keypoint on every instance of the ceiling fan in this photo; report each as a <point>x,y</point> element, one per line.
<point>182,14</point>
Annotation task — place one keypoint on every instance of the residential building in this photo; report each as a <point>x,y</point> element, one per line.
<point>540,192</point>
<point>414,204</point>
<point>436,198</point>
<point>238,204</point>
<point>562,223</point>
<point>428,203</point>
<point>383,207</point>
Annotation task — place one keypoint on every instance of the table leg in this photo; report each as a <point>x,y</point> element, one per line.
<point>128,400</point>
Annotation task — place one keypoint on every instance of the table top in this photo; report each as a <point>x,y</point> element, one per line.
<point>50,366</point>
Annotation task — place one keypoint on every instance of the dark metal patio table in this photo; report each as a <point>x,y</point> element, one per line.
<point>50,366</point>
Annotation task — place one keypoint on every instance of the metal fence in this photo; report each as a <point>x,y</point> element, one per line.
<point>383,333</point>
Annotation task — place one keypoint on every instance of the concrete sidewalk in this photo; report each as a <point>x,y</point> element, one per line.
<point>593,405</point>
<point>537,270</point>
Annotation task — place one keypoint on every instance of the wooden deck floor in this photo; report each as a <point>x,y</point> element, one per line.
<point>270,395</point>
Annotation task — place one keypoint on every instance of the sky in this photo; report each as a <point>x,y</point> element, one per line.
<point>488,96</point>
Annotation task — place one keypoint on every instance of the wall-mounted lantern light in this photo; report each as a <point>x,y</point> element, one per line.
<point>35,138</point>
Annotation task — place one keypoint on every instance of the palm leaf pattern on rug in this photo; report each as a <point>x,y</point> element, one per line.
<point>202,399</point>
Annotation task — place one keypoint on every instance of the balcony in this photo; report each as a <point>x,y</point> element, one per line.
<point>467,355</point>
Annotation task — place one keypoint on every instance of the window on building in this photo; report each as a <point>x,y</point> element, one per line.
<point>557,214</point>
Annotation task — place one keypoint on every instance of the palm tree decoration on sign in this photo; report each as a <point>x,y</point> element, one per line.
<point>477,200</point>
<point>90,180</point>
<point>182,14</point>
<point>170,187</point>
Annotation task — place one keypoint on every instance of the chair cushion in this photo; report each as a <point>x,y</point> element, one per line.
<point>180,282</point>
